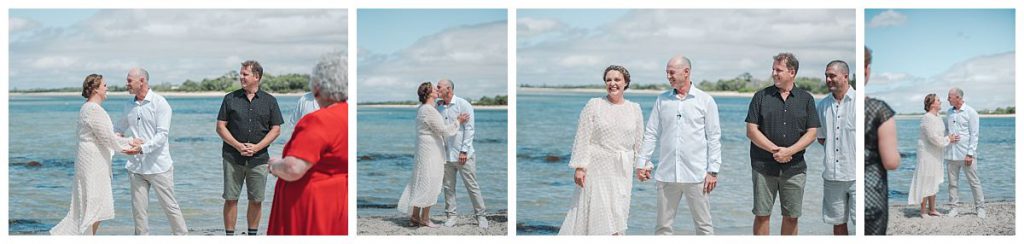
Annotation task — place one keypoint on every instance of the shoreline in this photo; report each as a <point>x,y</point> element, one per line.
<point>906,220</point>
<point>166,94</point>
<point>412,106</point>
<point>918,116</point>
<point>652,92</point>
<point>399,225</point>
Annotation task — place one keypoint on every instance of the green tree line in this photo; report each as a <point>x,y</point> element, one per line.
<point>287,83</point>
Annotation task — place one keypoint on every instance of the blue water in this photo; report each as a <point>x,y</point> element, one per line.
<point>546,128</point>
<point>387,140</point>
<point>43,129</point>
<point>995,159</point>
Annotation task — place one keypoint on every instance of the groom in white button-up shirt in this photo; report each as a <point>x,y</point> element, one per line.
<point>684,127</point>
<point>148,116</point>
<point>460,157</point>
<point>963,120</point>
<point>837,134</point>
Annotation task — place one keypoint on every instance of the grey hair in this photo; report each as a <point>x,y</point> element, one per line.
<point>330,76</point>
<point>685,61</point>
<point>843,67</point>
<point>140,71</point>
<point>959,92</point>
<point>451,84</point>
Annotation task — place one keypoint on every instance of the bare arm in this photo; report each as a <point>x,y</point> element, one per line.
<point>289,168</point>
<point>887,145</point>
<point>275,131</point>
<point>759,139</point>
<point>222,131</point>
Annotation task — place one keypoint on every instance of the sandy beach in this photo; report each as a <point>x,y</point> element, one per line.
<point>399,225</point>
<point>906,220</point>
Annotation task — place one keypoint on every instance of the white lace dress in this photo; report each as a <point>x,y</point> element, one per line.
<point>928,173</point>
<point>425,185</point>
<point>607,139</point>
<point>91,195</point>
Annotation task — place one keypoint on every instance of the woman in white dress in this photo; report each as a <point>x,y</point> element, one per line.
<point>608,137</point>
<point>425,185</point>
<point>928,174</point>
<point>92,199</point>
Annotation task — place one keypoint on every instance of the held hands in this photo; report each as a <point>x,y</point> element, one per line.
<point>782,154</point>
<point>463,118</point>
<point>462,158</point>
<point>247,149</point>
<point>954,138</point>
<point>135,146</point>
<point>643,174</point>
<point>580,177</point>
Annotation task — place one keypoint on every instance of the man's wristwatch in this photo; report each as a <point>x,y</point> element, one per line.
<point>713,174</point>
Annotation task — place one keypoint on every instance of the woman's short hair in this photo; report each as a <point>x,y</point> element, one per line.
<point>928,100</point>
<point>330,76</point>
<point>620,69</point>
<point>424,91</point>
<point>91,83</point>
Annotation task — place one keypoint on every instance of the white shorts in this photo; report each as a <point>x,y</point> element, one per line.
<point>837,205</point>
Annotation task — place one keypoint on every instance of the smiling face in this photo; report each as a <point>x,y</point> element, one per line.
<point>134,83</point>
<point>248,79</point>
<point>835,79</point>
<point>101,91</point>
<point>954,99</point>
<point>678,75</point>
<point>782,75</point>
<point>614,83</point>
<point>936,105</point>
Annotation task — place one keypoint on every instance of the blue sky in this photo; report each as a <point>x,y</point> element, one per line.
<point>400,48</point>
<point>573,46</point>
<point>923,51</point>
<point>53,48</point>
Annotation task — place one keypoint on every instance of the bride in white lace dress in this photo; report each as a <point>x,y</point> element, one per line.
<point>608,137</point>
<point>425,185</point>
<point>92,199</point>
<point>928,173</point>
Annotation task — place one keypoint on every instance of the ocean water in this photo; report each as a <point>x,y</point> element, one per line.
<point>42,129</point>
<point>387,140</point>
<point>995,159</point>
<point>546,129</point>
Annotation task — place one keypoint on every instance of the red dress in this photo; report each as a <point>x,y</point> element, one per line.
<point>317,203</point>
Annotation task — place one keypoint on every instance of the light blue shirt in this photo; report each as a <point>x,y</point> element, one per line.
<point>463,139</point>
<point>150,120</point>
<point>963,122</point>
<point>307,104</point>
<point>839,130</point>
<point>687,134</point>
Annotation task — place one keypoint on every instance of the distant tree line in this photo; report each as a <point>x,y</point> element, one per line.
<point>744,83</point>
<point>287,83</point>
<point>496,100</point>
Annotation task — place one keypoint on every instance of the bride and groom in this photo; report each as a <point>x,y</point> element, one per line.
<point>148,117</point>
<point>444,148</point>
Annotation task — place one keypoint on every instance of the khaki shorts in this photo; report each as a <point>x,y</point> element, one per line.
<point>254,177</point>
<point>789,189</point>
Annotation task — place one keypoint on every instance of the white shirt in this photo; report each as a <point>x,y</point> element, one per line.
<point>839,130</point>
<point>149,119</point>
<point>687,134</point>
<point>963,122</point>
<point>463,139</point>
<point>307,104</point>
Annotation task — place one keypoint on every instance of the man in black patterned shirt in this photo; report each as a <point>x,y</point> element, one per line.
<point>781,122</point>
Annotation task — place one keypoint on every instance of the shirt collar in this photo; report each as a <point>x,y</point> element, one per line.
<point>792,93</point>
<point>148,97</point>
<point>688,94</point>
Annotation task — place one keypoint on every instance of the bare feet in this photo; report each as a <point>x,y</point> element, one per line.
<point>934,213</point>
<point>430,224</point>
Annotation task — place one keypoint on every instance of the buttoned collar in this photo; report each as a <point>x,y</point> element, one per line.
<point>778,92</point>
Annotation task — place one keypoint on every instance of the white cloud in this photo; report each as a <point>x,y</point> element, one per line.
<point>16,24</point>
<point>987,82</point>
<point>175,45</point>
<point>473,56</point>
<point>721,43</point>
<point>530,27</point>
<point>887,18</point>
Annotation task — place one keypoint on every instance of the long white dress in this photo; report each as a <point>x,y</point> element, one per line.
<point>91,195</point>
<point>425,185</point>
<point>607,139</point>
<point>928,174</point>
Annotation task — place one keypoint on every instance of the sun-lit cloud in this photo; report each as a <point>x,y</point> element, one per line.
<point>987,82</point>
<point>887,18</point>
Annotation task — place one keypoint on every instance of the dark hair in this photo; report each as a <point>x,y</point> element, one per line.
<point>790,61</point>
<point>867,55</point>
<point>424,91</point>
<point>620,69</point>
<point>91,83</point>
<point>254,67</point>
<point>928,100</point>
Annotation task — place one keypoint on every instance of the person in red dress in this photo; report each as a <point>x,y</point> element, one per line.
<point>311,195</point>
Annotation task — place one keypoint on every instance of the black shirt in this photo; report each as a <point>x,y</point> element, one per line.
<point>248,122</point>
<point>783,123</point>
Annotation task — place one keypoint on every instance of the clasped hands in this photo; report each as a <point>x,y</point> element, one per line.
<point>782,154</point>
<point>134,147</point>
<point>247,149</point>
